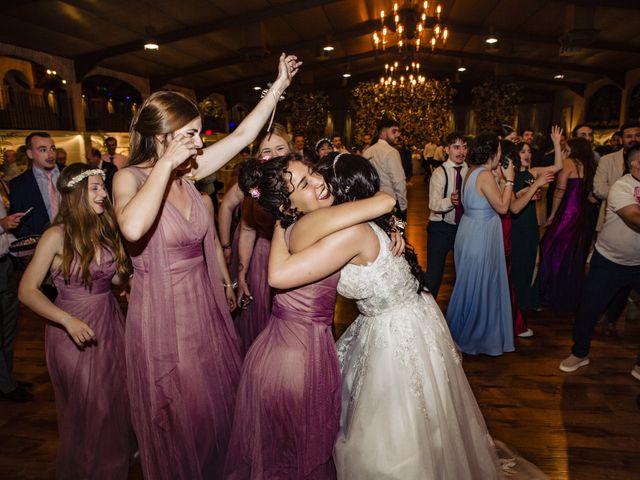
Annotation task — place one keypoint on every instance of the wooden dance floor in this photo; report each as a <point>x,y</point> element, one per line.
<point>580,426</point>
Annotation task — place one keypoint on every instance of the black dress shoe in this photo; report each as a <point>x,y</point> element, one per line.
<point>27,385</point>
<point>18,394</point>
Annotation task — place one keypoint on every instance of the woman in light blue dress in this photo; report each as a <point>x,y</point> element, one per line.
<point>479,313</point>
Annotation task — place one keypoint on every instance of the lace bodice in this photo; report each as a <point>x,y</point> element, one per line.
<point>381,286</point>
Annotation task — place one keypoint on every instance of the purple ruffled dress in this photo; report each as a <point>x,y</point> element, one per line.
<point>288,411</point>
<point>183,360</point>
<point>90,384</point>
<point>562,254</point>
<point>251,321</point>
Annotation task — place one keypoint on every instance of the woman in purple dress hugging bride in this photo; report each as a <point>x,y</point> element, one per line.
<point>84,339</point>
<point>182,352</point>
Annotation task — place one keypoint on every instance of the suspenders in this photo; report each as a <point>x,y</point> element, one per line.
<point>446,185</point>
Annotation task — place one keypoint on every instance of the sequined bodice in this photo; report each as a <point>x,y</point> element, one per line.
<point>381,286</point>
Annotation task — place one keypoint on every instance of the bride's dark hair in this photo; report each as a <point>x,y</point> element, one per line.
<point>352,177</point>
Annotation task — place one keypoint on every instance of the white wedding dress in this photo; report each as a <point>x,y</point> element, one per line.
<point>408,411</point>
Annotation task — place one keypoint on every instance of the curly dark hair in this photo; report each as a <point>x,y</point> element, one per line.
<point>483,147</point>
<point>272,180</point>
<point>352,177</point>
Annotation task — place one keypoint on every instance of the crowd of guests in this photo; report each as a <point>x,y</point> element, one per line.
<point>231,367</point>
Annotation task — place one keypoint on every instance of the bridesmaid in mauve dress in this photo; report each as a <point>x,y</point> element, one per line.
<point>288,410</point>
<point>256,229</point>
<point>251,320</point>
<point>183,360</point>
<point>84,340</point>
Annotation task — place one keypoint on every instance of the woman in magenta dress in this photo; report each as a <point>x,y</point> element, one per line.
<point>85,337</point>
<point>183,360</point>
<point>562,253</point>
<point>288,410</point>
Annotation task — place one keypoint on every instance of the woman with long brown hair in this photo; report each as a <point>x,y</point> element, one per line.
<point>85,334</point>
<point>183,361</point>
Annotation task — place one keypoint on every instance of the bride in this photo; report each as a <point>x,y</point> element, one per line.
<point>408,411</point>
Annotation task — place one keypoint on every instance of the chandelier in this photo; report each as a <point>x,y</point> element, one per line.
<point>399,75</point>
<point>414,24</point>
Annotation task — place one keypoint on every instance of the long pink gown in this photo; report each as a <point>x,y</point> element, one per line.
<point>183,360</point>
<point>288,411</point>
<point>251,321</point>
<point>90,383</point>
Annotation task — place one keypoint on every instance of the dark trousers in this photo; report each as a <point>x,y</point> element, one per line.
<point>604,281</point>
<point>8,323</point>
<point>441,237</point>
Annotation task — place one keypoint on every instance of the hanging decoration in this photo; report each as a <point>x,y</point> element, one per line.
<point>495,103</point>
<point>307,113</point>
<point>422,109</point>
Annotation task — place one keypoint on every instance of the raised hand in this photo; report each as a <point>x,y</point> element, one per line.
<point>287,69</point>
<point>180,149</point>
<point>556,134</point>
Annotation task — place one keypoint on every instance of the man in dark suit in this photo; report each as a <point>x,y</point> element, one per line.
<point>36,187</point>
<point>94,159</point>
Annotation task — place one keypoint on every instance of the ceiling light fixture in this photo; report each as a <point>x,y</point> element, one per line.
<point>558,76</point>
<point>256,88</point>
<point>346,75</point>
<point>408,24</point>
<point>492,38</point>
<point>150,42</point>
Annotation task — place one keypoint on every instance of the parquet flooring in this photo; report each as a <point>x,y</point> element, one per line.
<point>580,426</point>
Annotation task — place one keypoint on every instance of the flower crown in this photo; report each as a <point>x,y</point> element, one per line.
<point>87,173</point>
<point>322,140</point>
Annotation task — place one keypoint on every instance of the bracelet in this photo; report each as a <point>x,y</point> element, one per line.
<point>234,284</point>
<point>509,183</point>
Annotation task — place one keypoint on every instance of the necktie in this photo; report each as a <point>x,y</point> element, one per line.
<point>459,208</point>
<point>53,196</point>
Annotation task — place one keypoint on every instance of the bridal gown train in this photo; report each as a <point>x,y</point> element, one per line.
<point>408,411</point>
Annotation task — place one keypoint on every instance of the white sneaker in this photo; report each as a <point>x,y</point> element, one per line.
<point>573,363</point>
<point>636,372</point>
<point>527,333</point>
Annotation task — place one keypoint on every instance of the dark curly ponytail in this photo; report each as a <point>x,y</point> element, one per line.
<point>270,184</point>
<point>482,148</point>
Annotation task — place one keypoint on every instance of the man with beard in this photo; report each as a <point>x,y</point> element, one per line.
<point>446,208</point>
<point>386,159</point>
<point>36,188</point>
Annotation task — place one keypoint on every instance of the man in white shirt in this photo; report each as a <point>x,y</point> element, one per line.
<point>119,160</point>
<point>445,209</point>
<point>10,388</point>
<point>615,263</point>
<point>386,159</point>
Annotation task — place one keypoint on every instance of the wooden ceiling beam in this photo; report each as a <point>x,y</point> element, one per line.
<point>524,36</point>
<point>617,4</point>
<point>87,61</point>
<point>424,56</point>
<point>363,28</point>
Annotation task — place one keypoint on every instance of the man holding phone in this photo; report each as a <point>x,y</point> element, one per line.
<point>36,187</point>
<point>10,388</point>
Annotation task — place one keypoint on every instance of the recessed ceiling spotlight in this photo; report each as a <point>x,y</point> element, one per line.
<point>256,88</point>
<point>462,68</point>
<point>558,76</point>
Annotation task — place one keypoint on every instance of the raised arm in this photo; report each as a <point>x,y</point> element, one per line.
<point>319,260</point>
<point>487,185</point>
<point>320,223</point>
<point>218,154</point>
<point>50,245</point>
<point>232,198</point>
<point>524,196</point>
<point>137,207</point>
